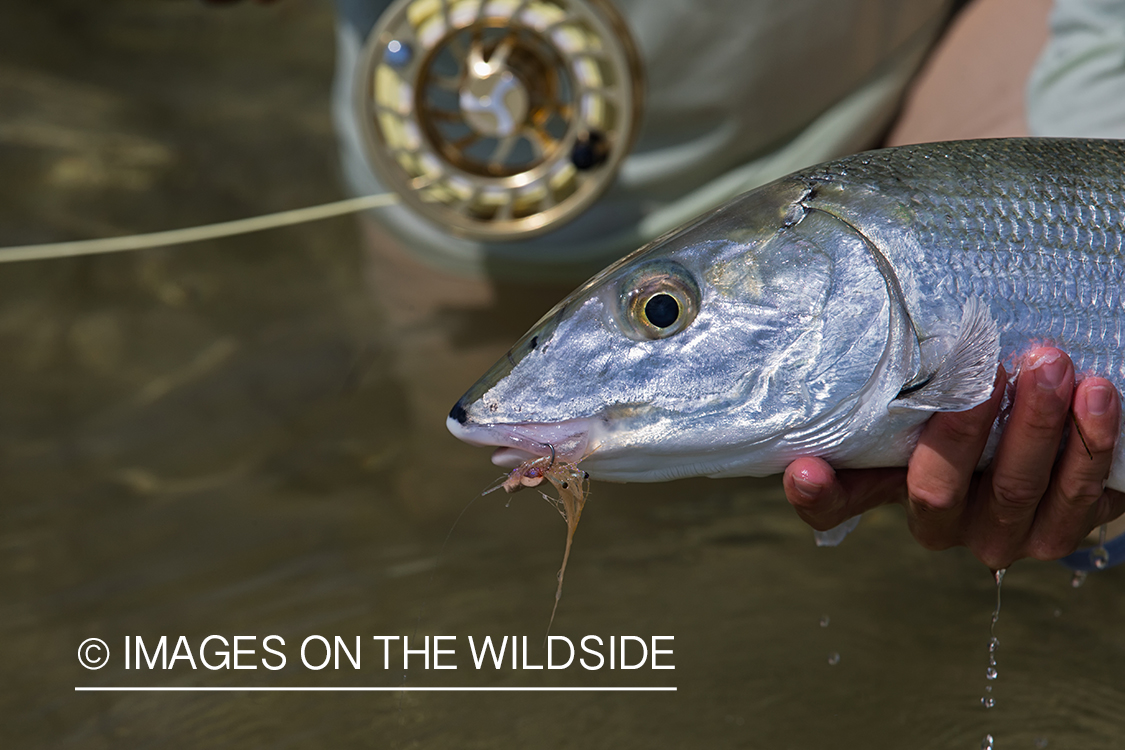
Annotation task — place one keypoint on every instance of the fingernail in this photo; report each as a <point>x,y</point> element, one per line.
<point>809,490</point>
<point>1050,368</point>
<point>1098,398</point>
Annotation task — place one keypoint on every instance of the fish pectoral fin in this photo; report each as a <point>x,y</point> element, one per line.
<point>965,375</point>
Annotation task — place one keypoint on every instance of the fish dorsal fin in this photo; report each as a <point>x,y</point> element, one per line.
<point>964,376</point>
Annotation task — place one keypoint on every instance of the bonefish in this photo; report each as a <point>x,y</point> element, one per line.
<point>829,314</point>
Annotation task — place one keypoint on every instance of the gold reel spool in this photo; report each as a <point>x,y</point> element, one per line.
<point>498,119</point>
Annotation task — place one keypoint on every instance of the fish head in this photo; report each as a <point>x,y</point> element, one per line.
<point>702,353</point>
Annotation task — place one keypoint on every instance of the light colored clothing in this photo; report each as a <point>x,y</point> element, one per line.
<point>738,92</point>
<point>1078,85</point>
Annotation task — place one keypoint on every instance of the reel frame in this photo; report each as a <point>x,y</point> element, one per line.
<point>498,119</point>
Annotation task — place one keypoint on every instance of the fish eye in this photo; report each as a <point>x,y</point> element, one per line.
<point>659,300</point>
<point>662,310</point>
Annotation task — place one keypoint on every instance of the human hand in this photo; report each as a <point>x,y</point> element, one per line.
<point>1032,501</point>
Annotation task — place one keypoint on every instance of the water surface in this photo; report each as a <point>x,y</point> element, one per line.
<point>241,438</point>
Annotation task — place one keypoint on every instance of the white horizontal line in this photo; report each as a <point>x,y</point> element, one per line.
<point>195,234</point>
<point>401,688</point>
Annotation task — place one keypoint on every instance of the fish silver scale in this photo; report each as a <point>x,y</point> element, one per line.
<point>831,318</point>
<point>1034,227</point>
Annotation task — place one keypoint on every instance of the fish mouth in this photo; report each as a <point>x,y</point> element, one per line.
<point>519,442</point>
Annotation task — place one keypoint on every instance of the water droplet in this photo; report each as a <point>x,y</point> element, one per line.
<point>1058,612</point>
<point>824,621</point>
<point>1099,557</point>
<point>1041,742</point>
<point>834,658</point>
<point>1078,579</point>
<point>986,743</point>
<point>993,644</point>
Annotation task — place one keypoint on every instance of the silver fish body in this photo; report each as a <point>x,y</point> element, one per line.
<point>828,313</point>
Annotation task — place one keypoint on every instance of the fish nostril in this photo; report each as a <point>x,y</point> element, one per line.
<point>458,413</point>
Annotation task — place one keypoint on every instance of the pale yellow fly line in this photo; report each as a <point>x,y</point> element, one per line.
<point>195,234</point>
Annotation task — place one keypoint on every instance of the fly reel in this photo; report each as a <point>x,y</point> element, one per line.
<point>498,119</point>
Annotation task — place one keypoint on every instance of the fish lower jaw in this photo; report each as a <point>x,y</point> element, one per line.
<point>516,443</point>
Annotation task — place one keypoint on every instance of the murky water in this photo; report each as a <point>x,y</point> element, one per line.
<point>240,438</point>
